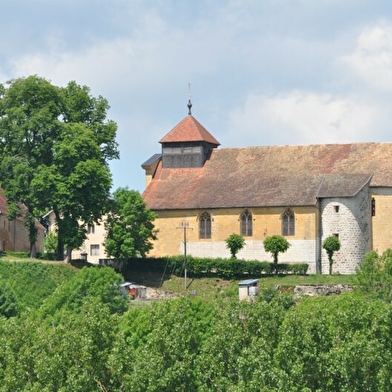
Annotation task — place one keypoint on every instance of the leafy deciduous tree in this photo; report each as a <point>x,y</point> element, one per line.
<point>29,122</point>
<point>8,303</point>
<point>331,244</point>
<point>276,244</point>
<point>374,275</point>
<point>234,243</point>
<point>55,144</point>
<point>129,226</point>
<point>51,243</point>
<point>97,282</point>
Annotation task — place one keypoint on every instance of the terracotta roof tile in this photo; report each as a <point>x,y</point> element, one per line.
<point>189,130</point>
<point>272,176</point>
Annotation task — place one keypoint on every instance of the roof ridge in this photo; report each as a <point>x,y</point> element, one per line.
<point>189,130</point>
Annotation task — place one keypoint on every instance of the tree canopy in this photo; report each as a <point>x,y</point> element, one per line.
<point>331,245</point>
<point>79,334</point>
<point>276,244</point>
<point>129,226</point>
<point>55,144</point>
<point>374,275</point>
<point>235,243</point>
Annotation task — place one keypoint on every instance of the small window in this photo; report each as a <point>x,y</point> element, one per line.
<point>205,225</point>
<point>373,206</point>
<point>336,209</point>
<point>94,250</point>
<point>246,224</point>
<point>91,229</point>
<point>288,222</point>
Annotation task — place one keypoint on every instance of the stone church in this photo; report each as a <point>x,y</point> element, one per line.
<point>202,193</point>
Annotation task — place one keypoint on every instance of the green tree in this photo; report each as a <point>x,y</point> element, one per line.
<point>55,144</point>
<point>235,243</point>
<point>29,121</point>
<point>129,226</point>
<point>374,275</point>
<point>76,184</point>
<point>91,282</point>
<point>336,343</point>
<point>71,355</point>
<point>8,302</point>
<point>166,360</point>
<point>331,245</point>
<point>51,243</point>
<point>276,244</point>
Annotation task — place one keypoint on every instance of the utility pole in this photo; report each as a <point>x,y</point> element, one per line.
<point>185,226</point>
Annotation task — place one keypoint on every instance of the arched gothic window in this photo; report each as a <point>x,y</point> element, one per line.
<point>205,225</point>
<point>246,224</point>
<point>288,222</point>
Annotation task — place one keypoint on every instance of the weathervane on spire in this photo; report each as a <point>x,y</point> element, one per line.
<point>189,100</point>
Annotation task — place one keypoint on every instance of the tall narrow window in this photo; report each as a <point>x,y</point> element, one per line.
<point>205,225</point>
<point>90,229</point>
<point>246,224</point>
<point>94,250</point>
<point>288,222</point>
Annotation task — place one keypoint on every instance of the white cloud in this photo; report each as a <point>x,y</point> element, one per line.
<point>274,61</point>
<point>372,58</point>
<point>301,117</point>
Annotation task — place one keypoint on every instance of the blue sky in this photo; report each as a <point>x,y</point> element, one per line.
<point>262,72</point>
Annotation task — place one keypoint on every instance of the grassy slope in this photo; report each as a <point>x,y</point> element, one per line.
<point>210,287</point>
<point>32,280</point>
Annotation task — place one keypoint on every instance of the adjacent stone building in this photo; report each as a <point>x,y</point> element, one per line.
<point>305,193</point>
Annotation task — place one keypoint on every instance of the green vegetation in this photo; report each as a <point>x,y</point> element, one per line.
<point>374,275</point>
<point>81,335</point>
<point>235,243</point>
<point>129,227</point>
<point>210,288</point>
<point>331,244</point>
<point>276,244</point>
<point>32,282</point>
<point>55,145</point>
<point>214,267</point>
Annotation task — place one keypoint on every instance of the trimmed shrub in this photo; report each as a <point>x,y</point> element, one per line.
<point>299,268</point>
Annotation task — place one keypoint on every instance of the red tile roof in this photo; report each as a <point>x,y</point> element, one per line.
<point>272,176</point>
<point>189,130</point>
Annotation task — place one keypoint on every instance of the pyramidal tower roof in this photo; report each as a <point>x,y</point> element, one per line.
<point>189,130</point>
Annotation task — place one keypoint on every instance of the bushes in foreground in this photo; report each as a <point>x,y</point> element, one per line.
<point>337,343</point>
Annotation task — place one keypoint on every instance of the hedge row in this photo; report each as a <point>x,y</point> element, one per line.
<point>199,267</point>
<point>26,255</point>
<point>218,267</point>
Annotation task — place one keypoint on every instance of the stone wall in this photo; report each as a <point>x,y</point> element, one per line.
<point>350,219</point>
<point>314,290</point>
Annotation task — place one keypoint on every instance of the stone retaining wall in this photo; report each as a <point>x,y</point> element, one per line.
<point>313,290</point>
